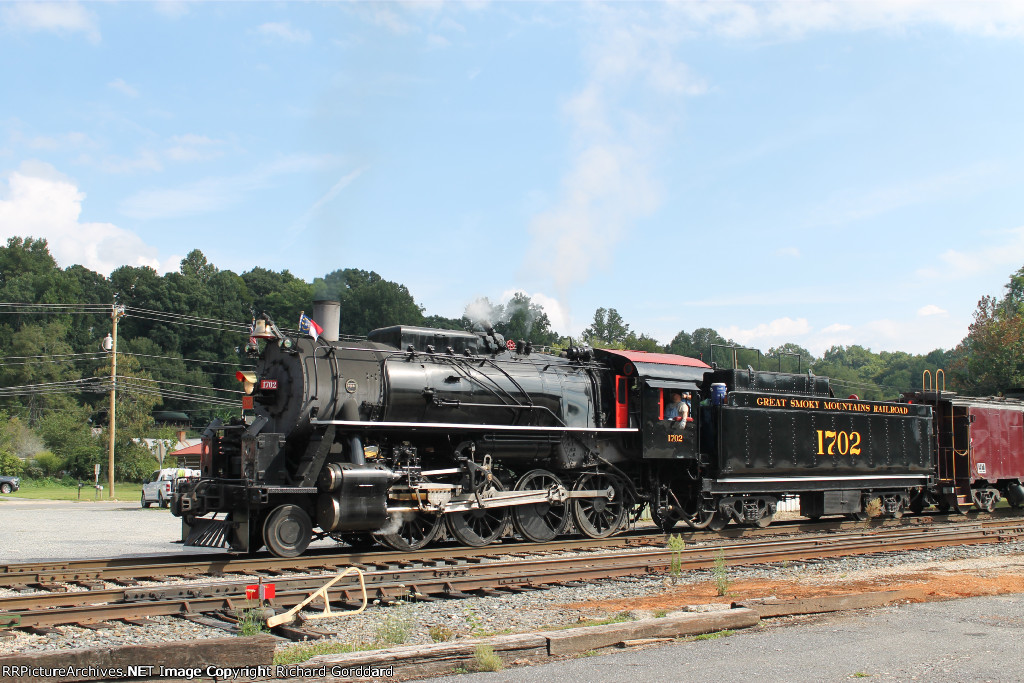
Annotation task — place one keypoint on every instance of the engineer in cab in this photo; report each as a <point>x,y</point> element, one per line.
<point>678,410</point>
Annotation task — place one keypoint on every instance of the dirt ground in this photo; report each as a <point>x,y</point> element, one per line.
<point>937,580</point>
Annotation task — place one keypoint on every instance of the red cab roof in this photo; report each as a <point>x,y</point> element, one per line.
<point>659,358</point>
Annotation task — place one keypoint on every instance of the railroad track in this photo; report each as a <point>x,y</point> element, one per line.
<point>52,575</point>
<point>517,568</point>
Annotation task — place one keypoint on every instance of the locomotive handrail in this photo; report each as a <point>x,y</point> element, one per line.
<point>442,402</point>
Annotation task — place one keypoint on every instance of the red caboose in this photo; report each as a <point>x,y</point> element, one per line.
<point>979,449</point>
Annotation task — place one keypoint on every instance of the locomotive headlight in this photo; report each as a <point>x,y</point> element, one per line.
<point>248,380</point>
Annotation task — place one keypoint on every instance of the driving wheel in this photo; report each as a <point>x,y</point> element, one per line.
<point>481,526</point>
<point>540,522</point>
<point>600,516</point>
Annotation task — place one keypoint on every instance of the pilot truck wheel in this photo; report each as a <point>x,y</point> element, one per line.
<point>287,531</point>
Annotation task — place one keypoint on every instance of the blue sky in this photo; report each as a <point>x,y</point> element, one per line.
<point>816,172</point>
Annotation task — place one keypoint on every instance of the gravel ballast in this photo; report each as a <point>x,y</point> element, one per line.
<point>40,531</point>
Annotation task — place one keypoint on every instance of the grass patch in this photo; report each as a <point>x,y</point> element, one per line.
<point>395,629</point>
<point>661,614</point>
<point>712,636</point>
<point>56,489</point>
<point>861,674</point>
<point>251,622</point>
<point>440,634</point>
<point>485,659</point>
<point>300,653</point>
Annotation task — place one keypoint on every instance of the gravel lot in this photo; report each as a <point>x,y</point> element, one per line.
<point>49,530</point>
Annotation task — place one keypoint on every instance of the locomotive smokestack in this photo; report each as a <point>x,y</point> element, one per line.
<point>328,314</point>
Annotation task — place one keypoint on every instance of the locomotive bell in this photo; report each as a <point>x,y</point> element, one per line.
<point>260,330</point>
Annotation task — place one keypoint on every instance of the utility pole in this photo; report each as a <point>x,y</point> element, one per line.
<point>116,312</point>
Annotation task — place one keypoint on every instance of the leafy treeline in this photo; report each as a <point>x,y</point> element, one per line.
<point>182,338</point>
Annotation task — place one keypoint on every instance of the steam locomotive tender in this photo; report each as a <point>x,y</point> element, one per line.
<point>413,430</point>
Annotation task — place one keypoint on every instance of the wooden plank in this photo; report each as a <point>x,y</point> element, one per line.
<point>248,651</point>
<point>418,661</point>
<point>586,638</point>
<point>832,603</point>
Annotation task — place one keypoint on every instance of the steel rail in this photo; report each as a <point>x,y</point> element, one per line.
<point>51,609</point>
<point>25,574</point>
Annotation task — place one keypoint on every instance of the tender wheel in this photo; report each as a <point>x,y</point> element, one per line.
<point>718,521</point>
<point>413,532</point>
<point>540,522</point>
<point>599,517</point>
<point>6,488</point>
<point>145,503</point>
<point>479,527</point>
<point>287,531</point>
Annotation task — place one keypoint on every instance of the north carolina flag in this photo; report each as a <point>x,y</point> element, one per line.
<point>309,326</point>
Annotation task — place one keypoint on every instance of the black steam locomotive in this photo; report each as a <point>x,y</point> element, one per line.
<point>414,431</point>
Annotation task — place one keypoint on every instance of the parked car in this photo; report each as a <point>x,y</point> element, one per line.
<point>160,485</point>
<point>9,484</point>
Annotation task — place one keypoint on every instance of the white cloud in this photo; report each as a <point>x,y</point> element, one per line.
<point>190,147</point>
<point>381,15</point>
<point>122,87</point>
<point>42,203</point>
<point>931,309</point>
<point>778,331</point>
<point>792,20</point>
<point>437,41</point>
<point>58,17</point>
<point>285,31</point>
<point>311,213</point>
<point>618,120</point>
<point>172,9</point>
<point>1007,255</point>
<point>791,252</point>
<point>216,193</point>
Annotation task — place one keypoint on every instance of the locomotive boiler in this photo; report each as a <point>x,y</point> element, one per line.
<point>413,434</point>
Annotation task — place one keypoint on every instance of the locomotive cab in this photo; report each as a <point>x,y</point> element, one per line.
<point>644,384</point>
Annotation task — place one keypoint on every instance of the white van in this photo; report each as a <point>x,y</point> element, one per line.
<point>160,485</point>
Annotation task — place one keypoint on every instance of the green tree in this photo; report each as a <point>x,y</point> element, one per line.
<point>68,434</point>
<point>607,330</point>
<point>368,301</point>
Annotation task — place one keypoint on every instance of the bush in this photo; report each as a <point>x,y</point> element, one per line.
<point>11,465</point>
<point>49,462</point>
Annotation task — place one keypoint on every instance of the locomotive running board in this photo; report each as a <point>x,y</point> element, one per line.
<point>358,424</point>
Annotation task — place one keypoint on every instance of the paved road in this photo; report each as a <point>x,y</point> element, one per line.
<point>975,639</point>
<point>32,530</point>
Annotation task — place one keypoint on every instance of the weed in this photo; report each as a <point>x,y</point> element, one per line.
<point>588,653</point>
<point>661,614</point>
<point>720,572</point>
<point>714,635</point>
<point>440,634</point>
<point>861,674</point>
<point>460,670</point>
<point>874,508</point>
<point>676,544</point>
<point>396,627</point>
<point>251,622</point>
<point>300,653</point>
<point>484,659</point>
<point>473,620</point>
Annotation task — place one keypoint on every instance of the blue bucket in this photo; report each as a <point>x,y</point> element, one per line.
<point>718,391</point>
